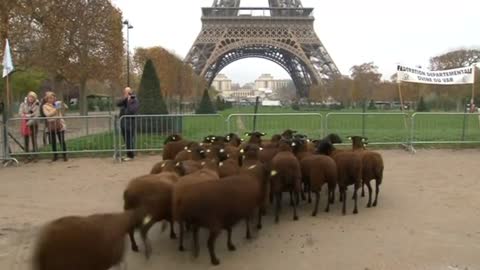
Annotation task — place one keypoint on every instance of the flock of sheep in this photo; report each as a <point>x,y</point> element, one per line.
<point>213,185</point>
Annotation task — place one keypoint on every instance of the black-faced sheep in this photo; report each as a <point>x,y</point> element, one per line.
<point>349,171</point>
<point>171,149</point>
<point>218,205</point>
<point>154,194</point>
<point>209,172</point>
<point>372,168</point>
<point>316,171</point>
<point>285,176</point>
<point>94,242</point>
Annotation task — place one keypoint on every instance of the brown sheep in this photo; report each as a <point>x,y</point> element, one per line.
<point>94,242</point>
<point>171,149</point>
<point>209,172</point>
<point>372,168</point>
<point>228,167</point>
<point>349,171</point>
<point>166,165</point>
<point>173,138</point>
<point>233,139</point>
<point>154,194</point>
<point>218,205</point>
<point>285,176</point>
<point>192,152</point>
<point>316,171</point>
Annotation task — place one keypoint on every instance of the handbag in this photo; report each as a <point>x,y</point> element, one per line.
<point>24,128</point>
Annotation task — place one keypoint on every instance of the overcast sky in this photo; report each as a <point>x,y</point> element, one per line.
<point>353,32</point>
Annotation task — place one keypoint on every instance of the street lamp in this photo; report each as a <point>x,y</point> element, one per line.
<point>129,26</point>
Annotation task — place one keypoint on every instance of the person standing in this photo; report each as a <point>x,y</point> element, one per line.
<point>30,110</point>
<point>129,105</point>
<point>53,110</point>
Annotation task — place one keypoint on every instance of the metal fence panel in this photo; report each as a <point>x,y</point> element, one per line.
<point>379,128</point>
<point>438,128</point>
<point>310,124</point>
<point>149,131</point>
<point>83,134</point>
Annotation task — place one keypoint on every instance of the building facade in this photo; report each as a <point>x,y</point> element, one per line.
<point>267,81</point>
<point>222,83</point>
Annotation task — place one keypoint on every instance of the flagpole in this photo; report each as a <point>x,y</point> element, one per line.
<point>7,110</point>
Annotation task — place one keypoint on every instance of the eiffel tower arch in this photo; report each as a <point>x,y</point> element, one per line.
<point>282,33</point>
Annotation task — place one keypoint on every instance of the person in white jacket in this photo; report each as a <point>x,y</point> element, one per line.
<point>30,110</point>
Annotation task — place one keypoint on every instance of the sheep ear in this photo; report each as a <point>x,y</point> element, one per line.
<point>263,134</point>
<point>261,148</point>
<point>220,164</point>
<point>242,151</point>
<point>185,148</point>
<point>147,219</point>
<point>273,173</point>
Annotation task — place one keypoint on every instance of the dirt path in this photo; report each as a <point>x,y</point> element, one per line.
<point>428,218</point>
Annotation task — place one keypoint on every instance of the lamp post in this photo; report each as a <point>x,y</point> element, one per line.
<point>129,26</point>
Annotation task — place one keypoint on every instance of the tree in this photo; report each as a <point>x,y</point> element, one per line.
<point>150,95</point>
<point>371,105</point>
<point>366,79</point>
<point>422,106</point>
<point>206,106</point>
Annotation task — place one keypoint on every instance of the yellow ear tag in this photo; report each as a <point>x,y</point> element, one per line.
<point>242,151</point>
<point>178,164</point>
<point>186,148</point>
<point>220,164</point>
<point>163,165</point>
<point>147,219</point>
<point>203,163</point>
<point>273,173</point>
<point>252,167</point>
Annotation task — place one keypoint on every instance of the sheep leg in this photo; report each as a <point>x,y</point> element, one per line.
<point>211,246</point>
<point>259,224</point>
<point>172,230</point>
<point>247,223</point>
<point>355,191</point>
<point>317,200</point>
<point>182,229</point>
<point>377,190</point>
<point>369,204</point>
<point>363,190</point>
<point>278,206</point>
<point>297,196</point>
<point>343,192</point>
<point>230,245</point>
<point>291,199</point>
<point>143,232</point>
<point>132,240</point>
<point>196,245</point>
<point>304,189</point>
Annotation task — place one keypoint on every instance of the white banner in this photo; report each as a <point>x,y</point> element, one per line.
<point>446,77</point>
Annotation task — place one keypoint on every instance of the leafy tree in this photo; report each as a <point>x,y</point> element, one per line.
<point>150,95</point>
<point>366,79</point>
<point>206,105</point>
<point>371,105</point>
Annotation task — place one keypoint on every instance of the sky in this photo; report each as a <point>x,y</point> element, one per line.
<point>354,32</point>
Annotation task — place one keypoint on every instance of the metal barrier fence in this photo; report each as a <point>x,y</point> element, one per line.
<point>107,134</point>
<point>310,124</point>
<point>82,134</point>
<point>379,128</point>
<point>445,128</point>
<point>147,133</point>
<point>5,157</point>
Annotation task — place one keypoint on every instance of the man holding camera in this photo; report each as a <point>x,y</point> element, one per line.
<point>128,106</point>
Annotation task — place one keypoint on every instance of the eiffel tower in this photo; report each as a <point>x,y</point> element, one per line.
<point>282,33</point>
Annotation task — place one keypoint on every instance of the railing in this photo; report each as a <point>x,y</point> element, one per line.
<point>445,128</point>
<point>310,124</point>
<point>109,135</point>
<point>256,12</point>
<point>82,134</point>
<point>379,128</point>
<point>148,132</point>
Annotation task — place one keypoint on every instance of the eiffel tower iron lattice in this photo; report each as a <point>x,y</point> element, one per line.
<point>282,33</point>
